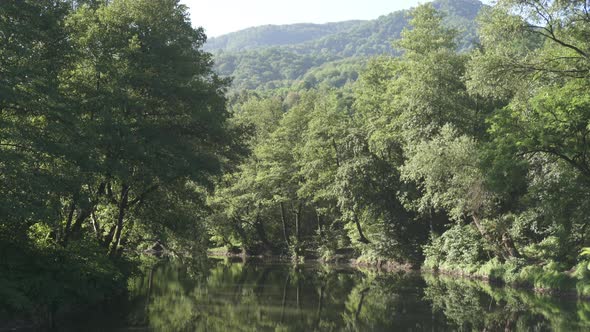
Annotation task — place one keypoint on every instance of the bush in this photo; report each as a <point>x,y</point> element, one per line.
<point>459,246</point>
<point>492,270</point>
<point>545,278</point>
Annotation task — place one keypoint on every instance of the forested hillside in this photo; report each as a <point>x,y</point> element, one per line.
<point>270,57</point>
<point>276,35</point>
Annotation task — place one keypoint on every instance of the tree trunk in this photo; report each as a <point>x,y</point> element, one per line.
<point>88,212</point>
<point>319,221</point>
<point>96,226</point>
<point>109,238</point>
<point>336,153</point>
<point>483,232</point>
<point>64,241</point>
<point>83,215</point>
<point>509,246</point>
<point>120,219</point>
<point>508,249</point>
<point>362,238</point>
<point>124,237</point>
<point>298,221</point>
<point>284,221</point>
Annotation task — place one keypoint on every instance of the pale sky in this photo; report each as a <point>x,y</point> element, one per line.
<point>219,17</point>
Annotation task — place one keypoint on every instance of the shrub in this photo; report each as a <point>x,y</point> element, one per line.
<point>459,246</point>
<point>492,270</point>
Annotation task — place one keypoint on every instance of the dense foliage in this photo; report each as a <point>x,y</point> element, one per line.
<point>112,124</point>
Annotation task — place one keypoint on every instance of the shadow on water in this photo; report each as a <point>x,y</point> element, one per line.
<point>254,296</point>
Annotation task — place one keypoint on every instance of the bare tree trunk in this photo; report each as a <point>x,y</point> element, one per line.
<point>120,219</point>
<point>284,221</point>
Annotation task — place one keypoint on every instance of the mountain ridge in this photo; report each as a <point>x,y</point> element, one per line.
<point>272,56</point>
<point>257,34</point>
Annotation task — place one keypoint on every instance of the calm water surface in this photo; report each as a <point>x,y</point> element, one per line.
<point>225,296</point>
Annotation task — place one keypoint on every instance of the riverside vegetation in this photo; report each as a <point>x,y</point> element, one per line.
<point>454,149</point>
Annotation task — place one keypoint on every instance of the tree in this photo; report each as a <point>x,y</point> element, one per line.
<point>419,92</point>
<point>547,49</point>
<point>150,109</point>
<point>447,170</point>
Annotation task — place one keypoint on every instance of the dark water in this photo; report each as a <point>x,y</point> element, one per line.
<point>274,297</point>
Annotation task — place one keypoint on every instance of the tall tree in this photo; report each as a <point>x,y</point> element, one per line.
<point>151,110</point>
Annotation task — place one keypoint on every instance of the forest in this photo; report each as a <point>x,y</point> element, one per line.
<point>272,57</point>
<point>448,149</point>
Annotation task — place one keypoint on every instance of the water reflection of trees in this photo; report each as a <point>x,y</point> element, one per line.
<point>475,305</point>
<point>258,297</point>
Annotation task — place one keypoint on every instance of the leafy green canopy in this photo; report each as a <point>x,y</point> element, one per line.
<point>112,124</point>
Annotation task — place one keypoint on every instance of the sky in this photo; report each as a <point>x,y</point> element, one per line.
<point>219,17</point>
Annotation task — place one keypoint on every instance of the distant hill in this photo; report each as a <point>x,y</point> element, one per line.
<point>275,56</point>
<point>276,35</point>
